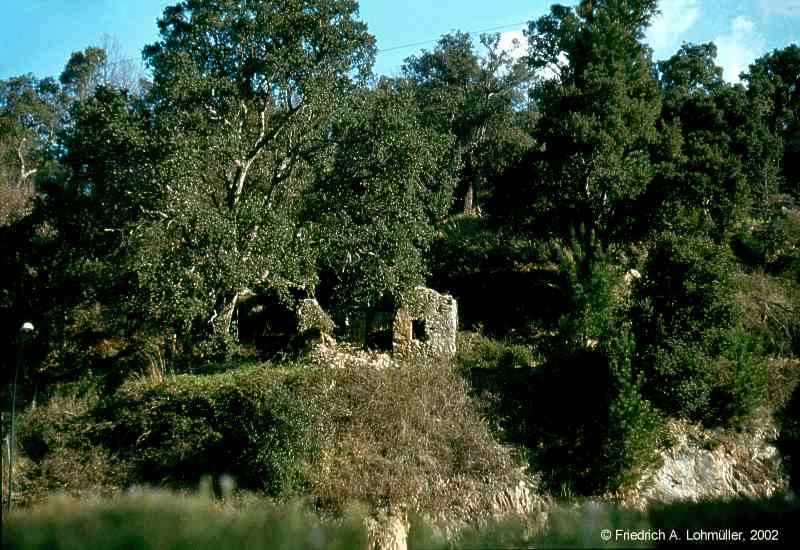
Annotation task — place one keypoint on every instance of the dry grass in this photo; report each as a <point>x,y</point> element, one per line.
<point>784,375</point>
<point>55,454</point>
<point>15,203</point>
<point>771,309</point>
<point>405,435</point>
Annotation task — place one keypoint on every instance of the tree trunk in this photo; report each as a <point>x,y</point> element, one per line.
<point>469,200</point>
<point>223,316</point>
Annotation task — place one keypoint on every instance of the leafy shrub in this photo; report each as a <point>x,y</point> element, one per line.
<point>633,424</point>
<point>495,275</point>
<point>772,245</point>
<point>740,379</point>
<point>56,451</point>
<point>486,353</point>
<point>611,428</point>
<point>580,415</point>
<point>697,361</point>
<point>588,278</point>
<point>594,435</point>
<point>248,424</point>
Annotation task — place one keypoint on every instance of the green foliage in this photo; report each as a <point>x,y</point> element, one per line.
<point>475,100</point>
<point>633,423</point>
<point>593,436</point>
<point>772,87</point>
<point>489,354</point>
<point>598,115</point>
<point>740,379</point>
<point>372,210</point>
<point>246,424</point>
<point>589,437</point>
<point>110,179</point>
<point>772,245</point>
<point>243,96</point>
<point>498,275</point>
<point>468,245</point>
<point>599,435</point>
<point>588,279</point>
<point>83,72</point>
<point>30,112</point>
<point>697,361</point>
<point>260,162</point>
<point>727,163</point>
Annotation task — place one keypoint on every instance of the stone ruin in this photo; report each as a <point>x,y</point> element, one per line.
<point>313,322</point>
<point>426,324</point>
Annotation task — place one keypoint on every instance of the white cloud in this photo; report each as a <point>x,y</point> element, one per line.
<point>782,8</point>
<point>514,43</point>
<point>665,32</point>
<point>738,48</point>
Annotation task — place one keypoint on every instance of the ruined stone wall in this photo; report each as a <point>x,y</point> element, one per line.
<point>426,324</point>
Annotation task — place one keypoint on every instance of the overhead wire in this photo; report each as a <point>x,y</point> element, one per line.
<point>432,40</point>
<point>382,50</point>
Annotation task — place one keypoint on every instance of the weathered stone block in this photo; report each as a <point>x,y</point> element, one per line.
<point>426,324</point>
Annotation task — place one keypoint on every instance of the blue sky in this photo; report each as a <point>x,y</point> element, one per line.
<point>39,35</point>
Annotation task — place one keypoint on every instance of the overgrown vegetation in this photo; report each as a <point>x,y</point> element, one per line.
<point>621,233</point>
<point>246,423</point>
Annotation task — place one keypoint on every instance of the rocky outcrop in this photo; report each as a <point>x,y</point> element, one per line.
<point>701,464</point>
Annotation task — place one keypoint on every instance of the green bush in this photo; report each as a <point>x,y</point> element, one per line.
<point>589,276</point>
<point>487,354</point>
<point>679,380</point>
<point>598,435</point>
<point>580,415</point>
<point>772,245</point>
<point>740,379</point>
<point>697,361</point>
<point>590,428</point>
<point>247,424</point>
<point>633,424</point>
<point>501,375</point>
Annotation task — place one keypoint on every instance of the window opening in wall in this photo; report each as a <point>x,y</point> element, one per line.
<point>418,330</point>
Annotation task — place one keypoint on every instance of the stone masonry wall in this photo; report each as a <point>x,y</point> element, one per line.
<point>426,324</point>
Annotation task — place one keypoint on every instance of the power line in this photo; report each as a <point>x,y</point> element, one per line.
<point>382,50</point>
<point>430,41</point>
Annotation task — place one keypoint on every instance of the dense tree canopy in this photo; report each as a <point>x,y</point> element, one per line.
<point>477,101</point>
<point>774,86</point>
<point>375,205</point>
<point>599,109</point>
<point>243,93</point>
<point>266,160</point>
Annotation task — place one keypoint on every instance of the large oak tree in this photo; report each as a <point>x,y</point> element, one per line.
<point>243,92</point>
